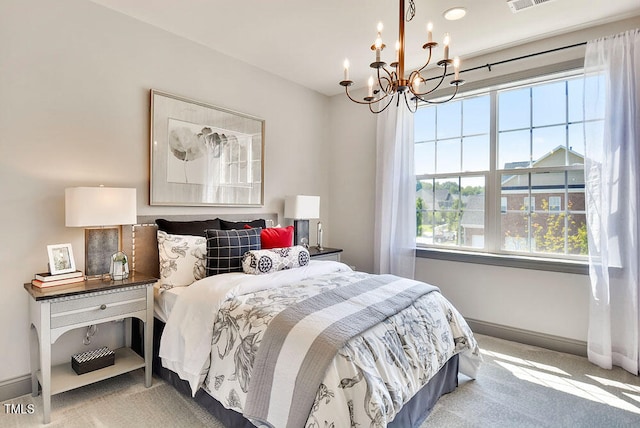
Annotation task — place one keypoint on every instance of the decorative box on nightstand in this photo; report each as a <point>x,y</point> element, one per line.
<point>325,254</point>
<point>56,310</point>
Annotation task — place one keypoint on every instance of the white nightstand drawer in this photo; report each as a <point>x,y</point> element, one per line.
<point>80,310</point>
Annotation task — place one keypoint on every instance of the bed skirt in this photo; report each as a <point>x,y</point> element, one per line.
<point>412,414</point>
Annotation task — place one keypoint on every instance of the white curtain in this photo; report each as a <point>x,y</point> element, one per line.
<point>395,207</point>
<point>612,173</point>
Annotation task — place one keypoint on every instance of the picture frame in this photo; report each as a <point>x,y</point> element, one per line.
<point>204,155</point>
<point>61,259</point>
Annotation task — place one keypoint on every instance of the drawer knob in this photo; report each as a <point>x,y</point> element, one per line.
<point>103,306</point>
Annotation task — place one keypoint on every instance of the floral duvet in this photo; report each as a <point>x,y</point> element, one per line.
<point>367,382</point>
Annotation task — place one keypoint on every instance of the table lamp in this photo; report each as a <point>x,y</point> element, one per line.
<point>301,208</point>
<point>101,211</point>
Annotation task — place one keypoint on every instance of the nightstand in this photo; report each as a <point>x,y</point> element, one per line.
<point>325,254</point>
<point>56,310</point>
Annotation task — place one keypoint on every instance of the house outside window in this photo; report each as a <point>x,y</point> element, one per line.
<point>534,133</point>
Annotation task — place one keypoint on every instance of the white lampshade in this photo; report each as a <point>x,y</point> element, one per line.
<point>99,206</point>
<point>302,207</point>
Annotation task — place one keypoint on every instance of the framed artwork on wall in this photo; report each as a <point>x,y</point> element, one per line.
<point>204,155</point>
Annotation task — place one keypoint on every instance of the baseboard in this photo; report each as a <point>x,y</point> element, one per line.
<point>548,341</point>
<point>16,387</point>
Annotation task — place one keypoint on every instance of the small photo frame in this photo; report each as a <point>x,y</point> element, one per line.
<point>61,259</point>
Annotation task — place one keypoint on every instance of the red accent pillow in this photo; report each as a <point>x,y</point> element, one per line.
<point>276,237</point>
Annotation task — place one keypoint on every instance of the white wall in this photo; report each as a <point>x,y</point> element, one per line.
<point>352,171</point>
<point>551,303</point>
<point>544,302</point>
<point>74,110</point>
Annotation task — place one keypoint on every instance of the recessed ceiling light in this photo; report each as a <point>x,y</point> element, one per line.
<point>454,13</point>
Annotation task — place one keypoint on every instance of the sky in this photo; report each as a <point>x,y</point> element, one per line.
<point>531,121</point>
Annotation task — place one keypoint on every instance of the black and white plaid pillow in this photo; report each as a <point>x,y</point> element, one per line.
<point>225,249</point>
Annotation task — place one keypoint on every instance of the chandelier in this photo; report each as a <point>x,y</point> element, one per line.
<point>391,82</point>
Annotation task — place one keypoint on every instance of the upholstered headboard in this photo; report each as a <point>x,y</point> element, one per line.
<point>139,241</point>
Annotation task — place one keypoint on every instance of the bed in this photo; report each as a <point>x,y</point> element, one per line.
<point>304,343</point>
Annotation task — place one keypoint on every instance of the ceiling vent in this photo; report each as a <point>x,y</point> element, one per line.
<point>518,5</point>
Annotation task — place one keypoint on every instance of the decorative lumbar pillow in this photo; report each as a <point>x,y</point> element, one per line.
<point>272,260</point>
<point>182,259</point>
<point>225,249</point>
<point>276,237</point>
<point>194,228</point>
<point>239,225</point>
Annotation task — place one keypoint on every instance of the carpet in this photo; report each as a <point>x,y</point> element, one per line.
<point>517,386</point>
<point>122,401</point>
<point>526,386</point>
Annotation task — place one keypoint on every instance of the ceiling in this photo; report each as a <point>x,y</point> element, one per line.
<point>306,41</point>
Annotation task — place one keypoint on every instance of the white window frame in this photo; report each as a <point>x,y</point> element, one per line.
<point>493,200</point>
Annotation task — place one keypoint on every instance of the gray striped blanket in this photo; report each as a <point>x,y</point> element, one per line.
<point>301,341</point>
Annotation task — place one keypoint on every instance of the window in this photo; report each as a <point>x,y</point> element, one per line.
<point>452,158</point>
<point>555,204</point>
<point>529,204</point>
<point>534,133</point>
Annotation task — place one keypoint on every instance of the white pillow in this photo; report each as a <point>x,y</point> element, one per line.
<point>182,259</point>
<point>259,262</point>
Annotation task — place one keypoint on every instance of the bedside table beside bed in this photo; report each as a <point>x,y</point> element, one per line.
<point>325,254</point>
<point>56,310</point>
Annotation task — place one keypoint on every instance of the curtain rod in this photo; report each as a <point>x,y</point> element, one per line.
<point>489,65</point>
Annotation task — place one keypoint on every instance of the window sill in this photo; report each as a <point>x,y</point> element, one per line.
<point>520,262</point>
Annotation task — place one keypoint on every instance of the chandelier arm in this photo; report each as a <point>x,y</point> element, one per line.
<point>412,76</point>
<point>427,63</point>
<point>421,94</point>
<point>375,101</point>
<point>441,101</point>
<point>388,88</point>
<point>357,101</point>
<point>388,78</point>
<point>383,108</point>
<point>390,74</point>
<point>380,99</point>
<point>406,101</point>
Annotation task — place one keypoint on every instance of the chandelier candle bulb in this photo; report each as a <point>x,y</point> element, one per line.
<point>430,32</point>
<point>370,86</point>
<point>447,40</point>
<point>456,67</point>
<point>378,45</point>
<point>346,69</point>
